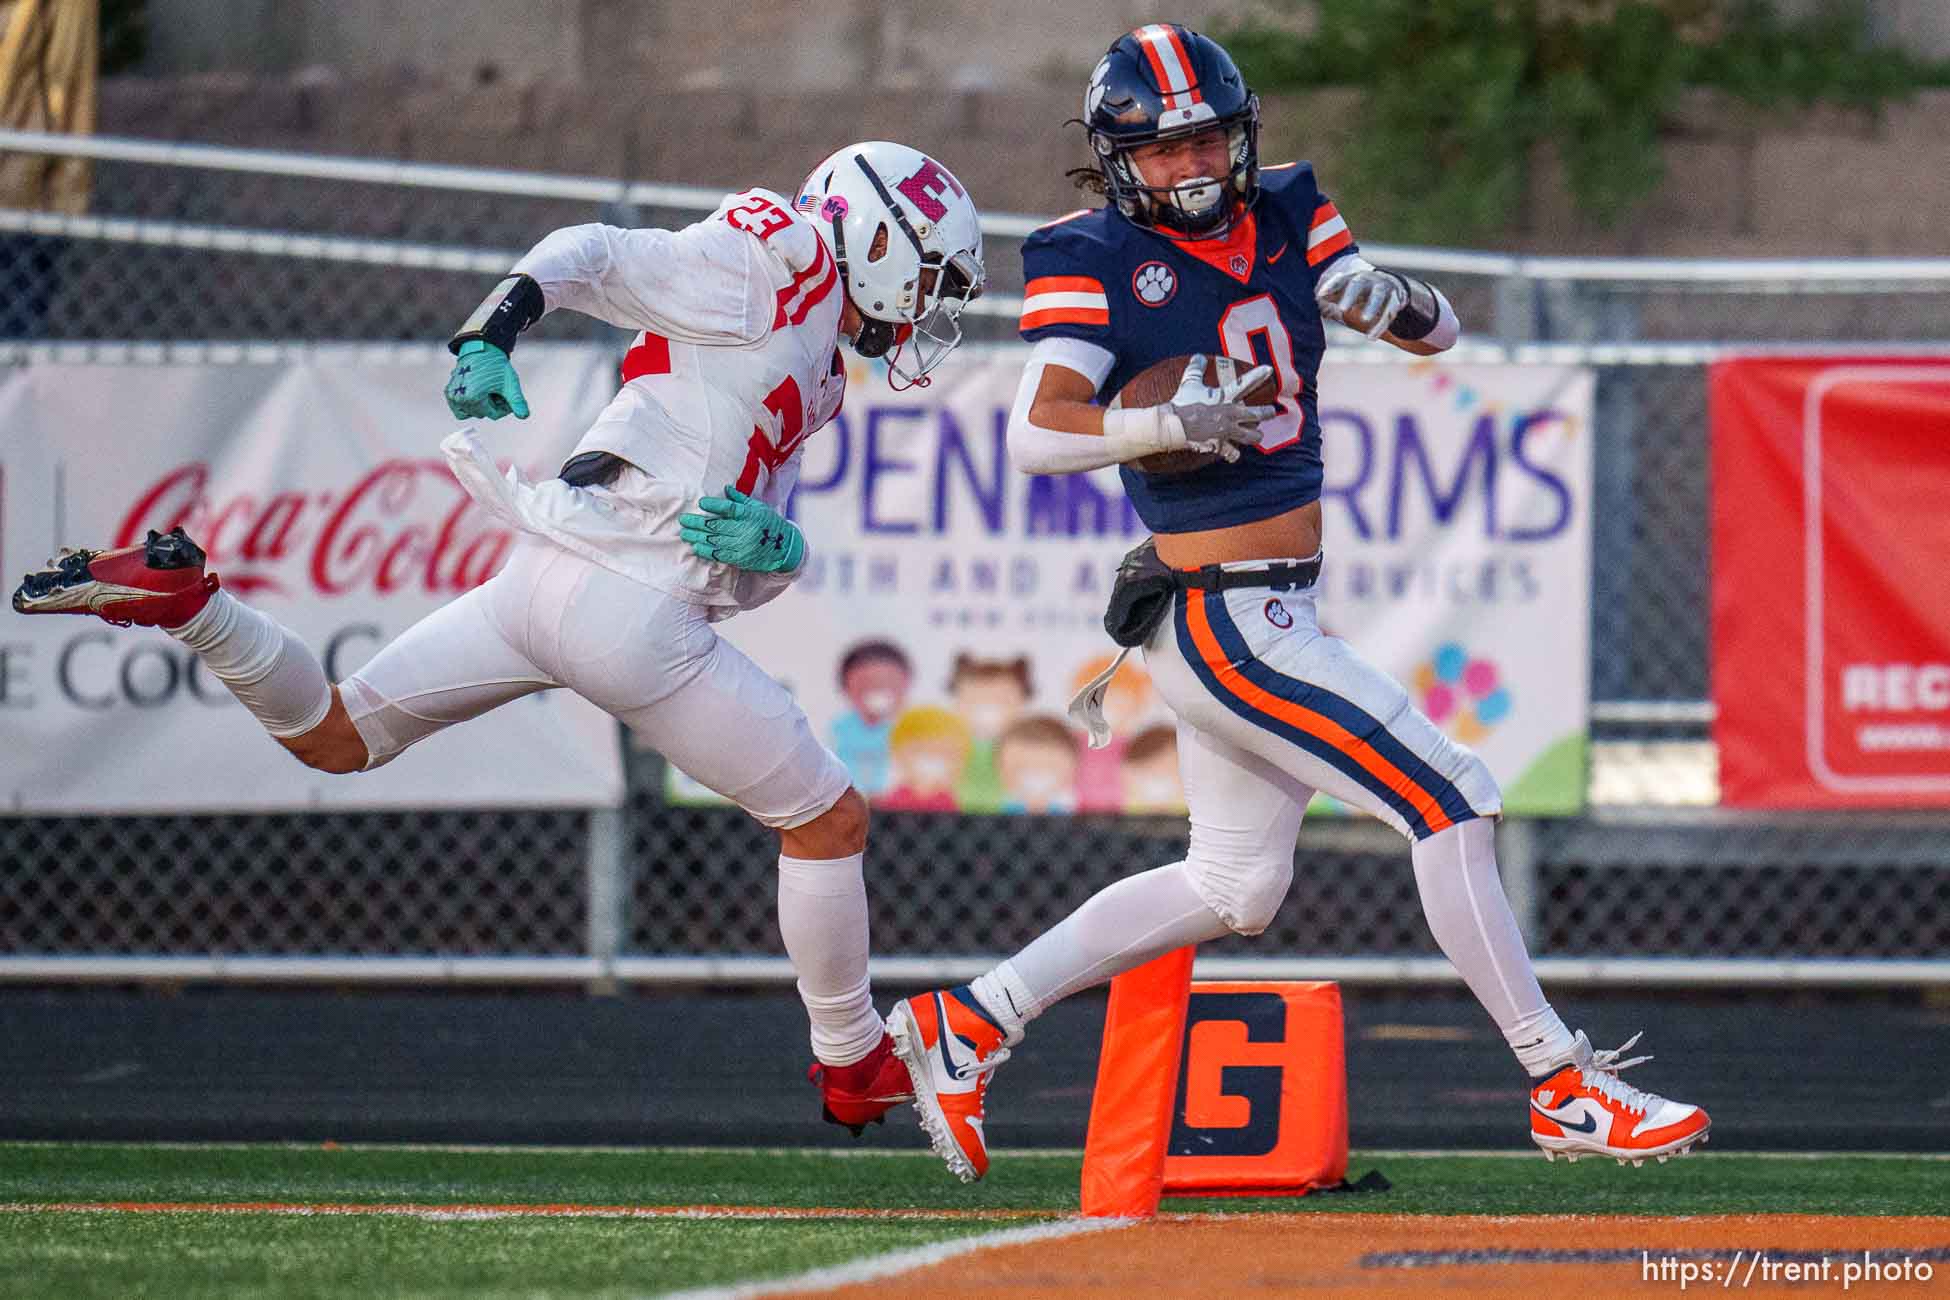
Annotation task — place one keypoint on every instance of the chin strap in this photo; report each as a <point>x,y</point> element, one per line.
<point>876,335</point>
<point>1087,706</point>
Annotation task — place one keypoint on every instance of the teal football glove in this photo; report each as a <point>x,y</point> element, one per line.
<point>484,384</point>
<point>746,534</point>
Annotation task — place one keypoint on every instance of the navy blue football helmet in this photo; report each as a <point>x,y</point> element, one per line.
<point>1161,82</point>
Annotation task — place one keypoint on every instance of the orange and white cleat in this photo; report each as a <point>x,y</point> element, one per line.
<point>862,1093</point>
<point>159,583</point>
<point>1585,1110</point>
<point>950,1046</point>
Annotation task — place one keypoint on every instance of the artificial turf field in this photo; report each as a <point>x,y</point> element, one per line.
<point>378,1222</point>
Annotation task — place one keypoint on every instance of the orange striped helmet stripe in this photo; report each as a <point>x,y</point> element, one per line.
<point>1184,62</point>
<point>1157,67</point>
<point>1305,719</point>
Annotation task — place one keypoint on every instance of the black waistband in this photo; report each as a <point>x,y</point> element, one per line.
<point>593,469</point>
<point>1279,577</point>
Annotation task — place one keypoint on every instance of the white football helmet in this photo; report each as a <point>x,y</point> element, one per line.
<point>908,242</point>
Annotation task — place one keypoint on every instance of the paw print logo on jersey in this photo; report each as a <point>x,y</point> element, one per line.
<point>1464,696</point>
<point>1154,283</point>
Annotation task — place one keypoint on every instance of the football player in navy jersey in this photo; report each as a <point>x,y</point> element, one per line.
<point>1199,250</point>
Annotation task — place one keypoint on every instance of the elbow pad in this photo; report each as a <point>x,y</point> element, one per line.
<point>511,307</point>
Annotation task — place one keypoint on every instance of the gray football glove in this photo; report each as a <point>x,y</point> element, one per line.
<point>1214,420</point>
<point>1353,287</point>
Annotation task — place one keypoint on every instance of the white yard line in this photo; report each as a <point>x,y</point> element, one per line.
<point>875,1267</point>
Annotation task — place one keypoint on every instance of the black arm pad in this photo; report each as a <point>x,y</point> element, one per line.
<point>1420,314</point>
<point>514,305</point>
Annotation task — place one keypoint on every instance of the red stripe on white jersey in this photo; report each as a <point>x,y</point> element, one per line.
<point>650,355</point>
<point>816,295</point>
<point>806,290</point>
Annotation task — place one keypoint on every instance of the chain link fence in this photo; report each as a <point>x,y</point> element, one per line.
<point>187,246</point>
<point>487,883</point>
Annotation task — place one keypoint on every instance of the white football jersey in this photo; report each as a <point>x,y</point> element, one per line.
<point>735,365</point>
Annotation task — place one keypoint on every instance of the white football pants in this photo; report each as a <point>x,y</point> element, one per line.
<point>554,619</point>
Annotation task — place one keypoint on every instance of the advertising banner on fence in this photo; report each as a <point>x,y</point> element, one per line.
<point>952,605</point>
<point>1831,608</point>
<point>318,489</point>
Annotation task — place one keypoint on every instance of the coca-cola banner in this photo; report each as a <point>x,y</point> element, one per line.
<point>316,485</point>
<point>953,605</point>
<point>1831,604</point>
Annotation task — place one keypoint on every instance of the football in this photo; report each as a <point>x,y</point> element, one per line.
<point>1156,384</point>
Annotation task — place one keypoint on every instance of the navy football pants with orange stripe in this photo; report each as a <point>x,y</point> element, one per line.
<point>1269,711</point>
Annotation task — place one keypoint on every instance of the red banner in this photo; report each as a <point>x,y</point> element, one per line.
<point>1831,581</point>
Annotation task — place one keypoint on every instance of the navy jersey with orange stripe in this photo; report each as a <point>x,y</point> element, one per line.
<point>1145,296</point>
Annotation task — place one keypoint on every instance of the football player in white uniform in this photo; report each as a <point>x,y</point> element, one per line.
<point>668,517</point>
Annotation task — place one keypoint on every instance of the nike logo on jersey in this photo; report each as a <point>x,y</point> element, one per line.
<point>1563,1118</point>
<point>1277,256</point>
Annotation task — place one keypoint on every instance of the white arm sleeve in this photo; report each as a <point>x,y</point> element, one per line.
<point>708,282</point>
<point>1127,434</point>
<point>1448,326</point>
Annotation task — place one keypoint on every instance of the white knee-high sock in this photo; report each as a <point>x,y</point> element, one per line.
<point>823,919</point>
<point>1120,926</point>
<point>264,664</point>
<point>1462,896</point>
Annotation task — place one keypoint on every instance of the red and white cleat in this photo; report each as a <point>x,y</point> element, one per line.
<point>1584,1109</point>
<point>950,1047</point>
<point>160,583</point>
<point>862,1093</point>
